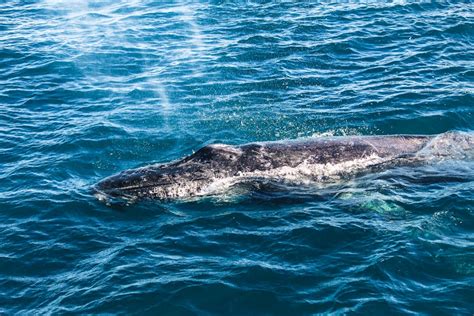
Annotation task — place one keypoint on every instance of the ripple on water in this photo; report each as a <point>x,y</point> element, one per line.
<point>89,88</point>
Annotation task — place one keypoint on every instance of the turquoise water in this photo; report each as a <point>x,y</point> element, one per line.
<point>90,88</point>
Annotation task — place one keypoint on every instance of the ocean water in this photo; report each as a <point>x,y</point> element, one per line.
<point>89,88</point>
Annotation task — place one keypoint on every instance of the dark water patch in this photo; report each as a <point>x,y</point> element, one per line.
<point>89,88</point>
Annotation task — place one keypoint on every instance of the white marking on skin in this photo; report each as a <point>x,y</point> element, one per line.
<point>371,145</point>
<point>228,148</point>
<point>304,173</point>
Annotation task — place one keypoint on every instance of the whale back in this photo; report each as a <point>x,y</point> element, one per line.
<point>256,156</point>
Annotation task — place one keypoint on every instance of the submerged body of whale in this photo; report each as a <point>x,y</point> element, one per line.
<point>316,159</point>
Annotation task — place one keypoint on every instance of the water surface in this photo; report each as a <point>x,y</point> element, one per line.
<point>90,88</point>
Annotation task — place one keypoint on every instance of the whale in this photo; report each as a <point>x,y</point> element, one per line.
<point>317,159</point>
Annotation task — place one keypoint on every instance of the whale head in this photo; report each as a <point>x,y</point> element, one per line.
<point>162,182</point>
<point>181,179</point>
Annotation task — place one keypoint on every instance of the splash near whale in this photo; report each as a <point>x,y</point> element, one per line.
<point>216,167</point>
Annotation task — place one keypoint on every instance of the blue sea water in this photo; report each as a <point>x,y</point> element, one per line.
<point>89,88</point>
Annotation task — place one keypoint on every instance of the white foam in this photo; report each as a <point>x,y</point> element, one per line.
<point>450,145</point>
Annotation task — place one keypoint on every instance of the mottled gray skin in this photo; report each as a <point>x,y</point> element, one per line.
<point>189,176</point>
